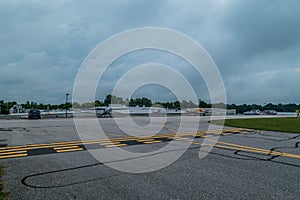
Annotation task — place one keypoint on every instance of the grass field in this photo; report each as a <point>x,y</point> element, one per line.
<point>291,125</point>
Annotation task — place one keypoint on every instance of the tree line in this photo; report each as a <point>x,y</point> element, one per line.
<point>291,107</point>
<point>111,99</point>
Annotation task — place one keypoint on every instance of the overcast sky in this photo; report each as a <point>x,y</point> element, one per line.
<point>254,43</point>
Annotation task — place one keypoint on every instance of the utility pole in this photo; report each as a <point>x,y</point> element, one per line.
<point>67,95</point>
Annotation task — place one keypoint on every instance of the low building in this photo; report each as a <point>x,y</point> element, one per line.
<point>17,109</point>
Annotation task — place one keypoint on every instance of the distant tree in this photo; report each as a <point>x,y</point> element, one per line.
<point>99,103</point>
<point>107,100</point>
<point>140,102</point>
<point>188,104</point>
<point>5,106</point>
<point>88,105</point>
<point>177,105</point>
<point>117,100</point>
<point>203,104</point>
<point>112,99</point>
<point>157,105</point>
<point>76,105</point>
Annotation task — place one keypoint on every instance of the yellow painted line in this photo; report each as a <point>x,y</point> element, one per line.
<point>255,150</point>
<point>195,142</point>
<point>9,150</point>
<point>219,131</point>
<point>101,143</point>
<point>57,143</point>
<point>232,130</point>
<point>205,136</point>
<point>38,147</point>
<point>145,140</point>
<point>162,135</point>
<point>243,132</point>
<point>169,137</point>
<point>73,142</point>
<point>68,147</point>
<point>151,142</point>
<point>201,132</point>
<point>35,145</point>
<point>120,145</point>
<point>267,152</point>
<point>237,145</point>
<point>13,152</point>
<point>104,143</point>
<point>110,141</point>
<point>214,133</point>
<point>184,134</point>
<point>181,138</point>
<point>110,146</point>
<point>250,149</point>
<point>69,150</point>
<point>77,143</point>
<point>14,155</point>
<point>200,135</point>
<point>239,129</point>
<point>11,147</point>
<point>240,147</point>
<point>28,147</point>
<point>123,139</point>
<point>224,134</point>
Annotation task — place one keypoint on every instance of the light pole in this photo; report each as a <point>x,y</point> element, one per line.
<point>67,95</point>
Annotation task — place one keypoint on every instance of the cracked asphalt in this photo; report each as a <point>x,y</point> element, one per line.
<point>244,164</point>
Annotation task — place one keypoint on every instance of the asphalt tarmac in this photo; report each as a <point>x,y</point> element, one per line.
<point>48,159</point>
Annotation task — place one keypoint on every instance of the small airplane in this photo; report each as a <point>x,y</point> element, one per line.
<point>253,112</point>
<point>102,112</point>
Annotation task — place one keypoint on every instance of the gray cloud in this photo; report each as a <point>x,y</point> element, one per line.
<point>255,44</point>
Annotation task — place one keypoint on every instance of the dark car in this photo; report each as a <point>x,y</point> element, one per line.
<point>34,114</point>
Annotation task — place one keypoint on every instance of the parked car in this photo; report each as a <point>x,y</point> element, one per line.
<point>34,114</point>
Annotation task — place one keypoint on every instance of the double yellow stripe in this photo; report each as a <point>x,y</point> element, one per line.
<point>254,150</point>
<point>12,153</point>
<point>237,147</point>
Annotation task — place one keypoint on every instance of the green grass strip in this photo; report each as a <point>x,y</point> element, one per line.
<point>291,125</point>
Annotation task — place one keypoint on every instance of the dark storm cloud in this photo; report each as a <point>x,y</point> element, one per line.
<point>255,44</point>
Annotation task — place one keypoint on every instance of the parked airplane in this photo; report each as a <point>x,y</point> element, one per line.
<point>103,112</point>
